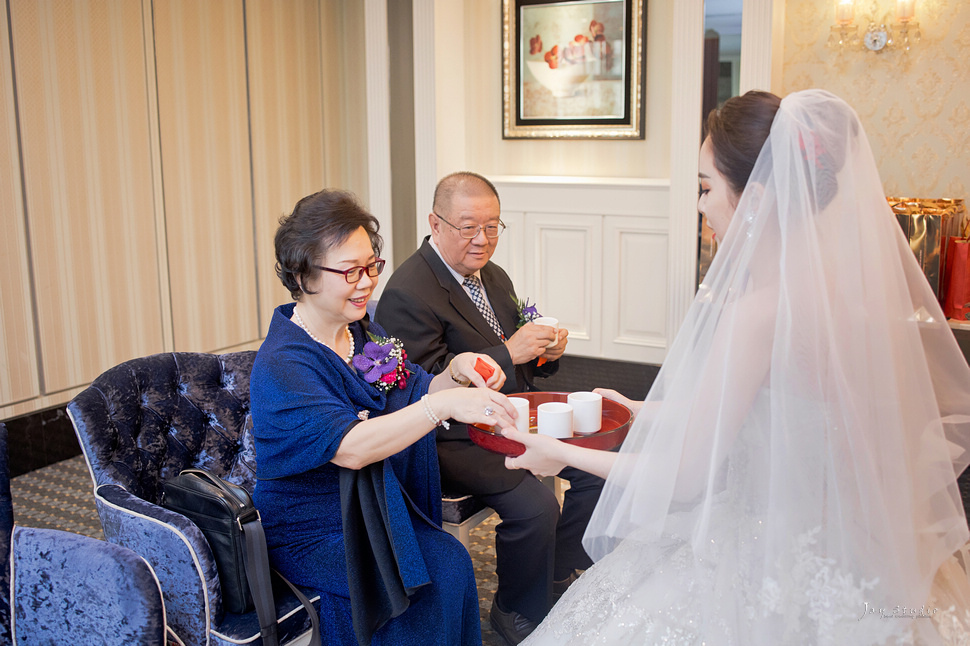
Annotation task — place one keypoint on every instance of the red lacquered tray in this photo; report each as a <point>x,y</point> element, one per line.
<point>616,424</point>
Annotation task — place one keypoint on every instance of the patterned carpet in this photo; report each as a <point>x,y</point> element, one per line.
<point>60,496</point>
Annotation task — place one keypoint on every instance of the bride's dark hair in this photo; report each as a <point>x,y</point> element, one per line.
<point>738,130</point>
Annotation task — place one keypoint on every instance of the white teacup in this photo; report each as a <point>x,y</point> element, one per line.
<point>555,419</point>
<point>551,322</point>
<point>522,408</point>
<point>587,412</point>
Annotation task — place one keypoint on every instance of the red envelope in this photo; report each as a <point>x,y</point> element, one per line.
<point>484,369</point>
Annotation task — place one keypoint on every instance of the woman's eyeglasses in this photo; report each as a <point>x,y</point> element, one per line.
<point>354,274</point>
<point>470,231</point>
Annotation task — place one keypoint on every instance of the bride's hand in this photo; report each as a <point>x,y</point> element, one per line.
<point>542,455</point>
<point>609,393</point>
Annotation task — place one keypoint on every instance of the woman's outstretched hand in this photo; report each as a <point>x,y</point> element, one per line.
<point>463,366</point>
<point>474,406</point>
<point>543,454</point>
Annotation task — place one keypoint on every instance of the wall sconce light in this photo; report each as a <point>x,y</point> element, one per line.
<point>880,33</point>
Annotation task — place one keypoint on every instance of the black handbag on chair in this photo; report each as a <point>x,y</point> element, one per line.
<point>225,514</point>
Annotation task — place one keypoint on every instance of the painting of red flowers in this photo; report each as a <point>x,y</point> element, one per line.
<point>573,68</point>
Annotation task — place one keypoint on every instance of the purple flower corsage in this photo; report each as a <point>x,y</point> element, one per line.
<point>382,363</point>
<point>526,311</point>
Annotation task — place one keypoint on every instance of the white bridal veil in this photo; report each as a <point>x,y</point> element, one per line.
<point>813,413</point>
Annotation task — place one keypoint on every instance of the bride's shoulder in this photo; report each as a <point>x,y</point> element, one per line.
<point>757,308</point>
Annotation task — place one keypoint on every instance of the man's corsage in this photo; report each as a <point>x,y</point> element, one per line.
<point>382,363</point>
<point>526,312</point>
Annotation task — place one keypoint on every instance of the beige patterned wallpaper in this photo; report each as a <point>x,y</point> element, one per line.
<point>915,106</point>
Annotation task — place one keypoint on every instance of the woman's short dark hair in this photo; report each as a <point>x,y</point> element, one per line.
<point>738,131</point>
<point>319,223</point>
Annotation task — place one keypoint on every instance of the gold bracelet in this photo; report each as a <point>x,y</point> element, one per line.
<point>451,369</point>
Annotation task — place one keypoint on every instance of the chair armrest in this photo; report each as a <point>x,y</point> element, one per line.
<point>177,552</point>
<point>66,587</point>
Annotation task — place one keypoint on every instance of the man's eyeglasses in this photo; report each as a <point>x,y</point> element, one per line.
<point>354,274</point>
<point>470,231</point>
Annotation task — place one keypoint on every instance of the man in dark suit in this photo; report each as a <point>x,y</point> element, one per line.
<point>434,304</point>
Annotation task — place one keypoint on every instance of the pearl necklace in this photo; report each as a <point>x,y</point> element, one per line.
<point>350,336</point>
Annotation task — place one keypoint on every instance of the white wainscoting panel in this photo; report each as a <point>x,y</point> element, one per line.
<point>634,282</point>
<point>593,253</point>
<point>565,271</point>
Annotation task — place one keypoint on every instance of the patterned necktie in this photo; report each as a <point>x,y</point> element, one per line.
<point>474,286</point>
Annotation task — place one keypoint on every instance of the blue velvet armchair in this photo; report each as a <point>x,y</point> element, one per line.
<point>139,424</point>
<point>71,589</point>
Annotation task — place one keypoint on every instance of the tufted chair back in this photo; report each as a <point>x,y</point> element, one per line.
<point>140,424</point>
<point>143,421</point>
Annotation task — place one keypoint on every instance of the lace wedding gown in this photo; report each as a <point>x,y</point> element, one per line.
<point>650,594</point>
<point>661,591</point>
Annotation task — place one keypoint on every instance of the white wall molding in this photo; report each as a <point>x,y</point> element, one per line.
<point>761,44</point>
<point>688,54</point>
<point>565,267</point>
<point>593,252</point>
<point>449,99</point>
<point>613,196</point>
<point>634,282</point>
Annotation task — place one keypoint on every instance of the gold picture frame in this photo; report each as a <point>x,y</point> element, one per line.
<point>573,69</point>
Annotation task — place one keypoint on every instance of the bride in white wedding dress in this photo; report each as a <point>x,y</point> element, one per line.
<point>791,476</point>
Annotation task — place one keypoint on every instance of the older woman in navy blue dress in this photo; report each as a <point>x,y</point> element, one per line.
<point>347,475</point>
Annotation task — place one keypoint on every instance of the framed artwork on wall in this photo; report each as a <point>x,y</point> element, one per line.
<point>573,69</point>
